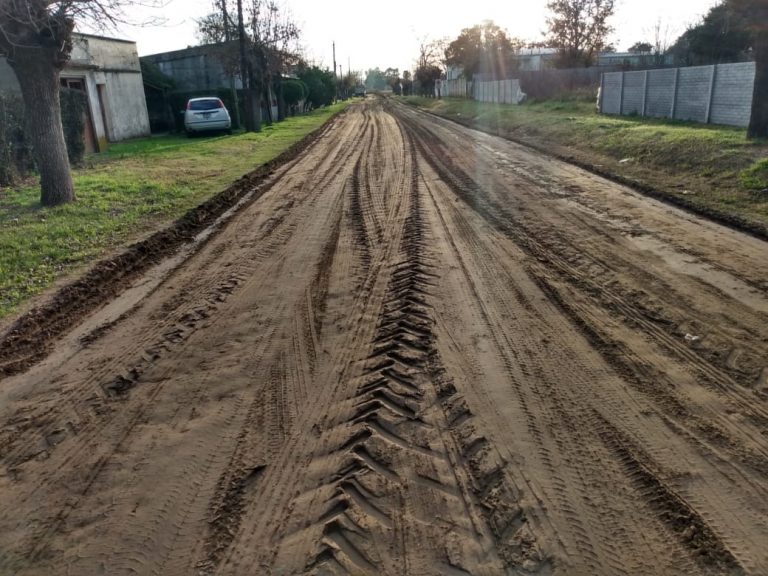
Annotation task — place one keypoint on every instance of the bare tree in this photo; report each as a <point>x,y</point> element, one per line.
<point>660,40</point>
<point>429,65</point>
<point>36,37</point>
<point>579,29</point>
<point>218,27</point>
<point>273,35</point>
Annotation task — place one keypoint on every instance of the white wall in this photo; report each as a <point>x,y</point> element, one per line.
<point>119,70</point>
<point>114,63</point>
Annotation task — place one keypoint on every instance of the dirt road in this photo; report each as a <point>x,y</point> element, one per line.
<point>421,350</point>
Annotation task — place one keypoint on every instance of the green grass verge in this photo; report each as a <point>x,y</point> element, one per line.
<point>714,167</point>
<point>137,187</point>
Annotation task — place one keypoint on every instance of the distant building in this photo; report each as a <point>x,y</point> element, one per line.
<point>200,71</point>
<point>634,59</point>
<point>196,68</point>
<point>536,58</point>
<point>108,71</point>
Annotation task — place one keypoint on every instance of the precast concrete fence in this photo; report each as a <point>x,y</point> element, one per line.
<point>717,94</point>
<point>457,88</point>
<point>498,91</point>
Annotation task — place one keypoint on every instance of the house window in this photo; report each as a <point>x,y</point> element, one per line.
<point>73,84</point>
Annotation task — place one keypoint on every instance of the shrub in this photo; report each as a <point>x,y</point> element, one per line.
<point>294,91</point>
<point>15,151</point>
<point>16,158</point>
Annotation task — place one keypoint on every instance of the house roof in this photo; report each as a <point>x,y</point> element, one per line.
<point>107,38</point>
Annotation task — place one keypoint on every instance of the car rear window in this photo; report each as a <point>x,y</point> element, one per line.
<point>205,104</point>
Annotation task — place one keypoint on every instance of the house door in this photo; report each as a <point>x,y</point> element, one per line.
<point>89,134</point>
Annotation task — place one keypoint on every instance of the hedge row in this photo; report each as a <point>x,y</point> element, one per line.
<point>16,155</point>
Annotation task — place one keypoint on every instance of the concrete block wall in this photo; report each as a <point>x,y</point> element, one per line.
<point>497,91</point>
<point>456,88</point>
<point>659,95</point>
<point>634,93</point>
<point>732,95</point>
<point>718,94</point>
<point>693,92</point>
<point>610,93</point>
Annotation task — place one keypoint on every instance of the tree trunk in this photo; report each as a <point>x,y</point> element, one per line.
<point>758,123</point>
<point>246,74</point>
<point>256,95</point>
<point>39,81</point>
<point>268,97</point>
<point>281,112</point>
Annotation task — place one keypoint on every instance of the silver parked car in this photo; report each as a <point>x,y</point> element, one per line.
<point>206,114</point>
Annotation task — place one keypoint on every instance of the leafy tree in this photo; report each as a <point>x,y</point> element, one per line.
<point>425,78</point>
<point>722,36</point>
<point>730,32</point>
<point>407,82</point>
<point>641,48</point>
<point>36,36</point>
<point>483,48</point>
<point>321,85</point>
<point>375,79</point>
<point>294,91</point>
<point>579,30</point>
<point>392,76</point>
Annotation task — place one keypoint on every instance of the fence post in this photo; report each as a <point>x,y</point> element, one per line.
<point>602,93</point>
<point>711,93</point>
<point>674,94</point>
<point>645,91</point>
<point>621,95</point>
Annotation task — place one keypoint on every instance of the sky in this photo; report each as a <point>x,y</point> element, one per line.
<point>387,33</point>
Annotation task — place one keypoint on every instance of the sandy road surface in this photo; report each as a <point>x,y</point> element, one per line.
<point>422,350</point>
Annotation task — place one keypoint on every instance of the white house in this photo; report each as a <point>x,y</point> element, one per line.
<point>108,71</point>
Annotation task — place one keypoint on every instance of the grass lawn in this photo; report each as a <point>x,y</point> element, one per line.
<point>714,167</point>
<point>136,187</point>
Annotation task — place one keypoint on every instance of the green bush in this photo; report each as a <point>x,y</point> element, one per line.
<point>756,176</point>
<point>16,157</point>
<point>321,86</point>
<point>294,91</point>
<point>15,151</point>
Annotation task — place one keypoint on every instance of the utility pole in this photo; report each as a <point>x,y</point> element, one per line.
<point>244,70</point>
<point>335,78</point>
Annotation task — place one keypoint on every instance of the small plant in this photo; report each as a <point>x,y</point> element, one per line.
<point>15,152</point>
<point>756,176</point>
